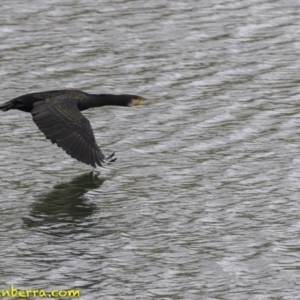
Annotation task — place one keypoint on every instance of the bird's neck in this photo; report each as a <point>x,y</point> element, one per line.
<point>101,100</point>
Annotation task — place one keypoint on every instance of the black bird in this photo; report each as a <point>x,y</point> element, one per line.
<point>58,115</point>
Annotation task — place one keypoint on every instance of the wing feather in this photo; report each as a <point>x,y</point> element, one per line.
<point>63,123</point>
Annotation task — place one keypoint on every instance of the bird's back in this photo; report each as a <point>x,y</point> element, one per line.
<point>26,102</point>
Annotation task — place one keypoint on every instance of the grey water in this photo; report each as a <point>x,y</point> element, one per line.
<point>204,199</point>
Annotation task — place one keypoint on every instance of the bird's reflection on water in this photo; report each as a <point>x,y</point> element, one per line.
<point>65,204</point>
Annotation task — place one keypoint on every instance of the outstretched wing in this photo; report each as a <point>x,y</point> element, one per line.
<point>63,123</point>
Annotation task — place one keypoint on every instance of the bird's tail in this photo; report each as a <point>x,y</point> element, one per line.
<point>7,105</point>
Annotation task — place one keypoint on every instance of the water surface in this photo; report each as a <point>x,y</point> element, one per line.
<point>203,201</point>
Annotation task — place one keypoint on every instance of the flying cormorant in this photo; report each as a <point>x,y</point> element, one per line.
<point>58,115</point>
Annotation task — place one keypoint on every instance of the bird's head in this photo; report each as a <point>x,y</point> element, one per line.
<point>134,100</point>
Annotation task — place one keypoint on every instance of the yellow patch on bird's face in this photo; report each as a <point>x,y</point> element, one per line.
<point>136,102</point>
